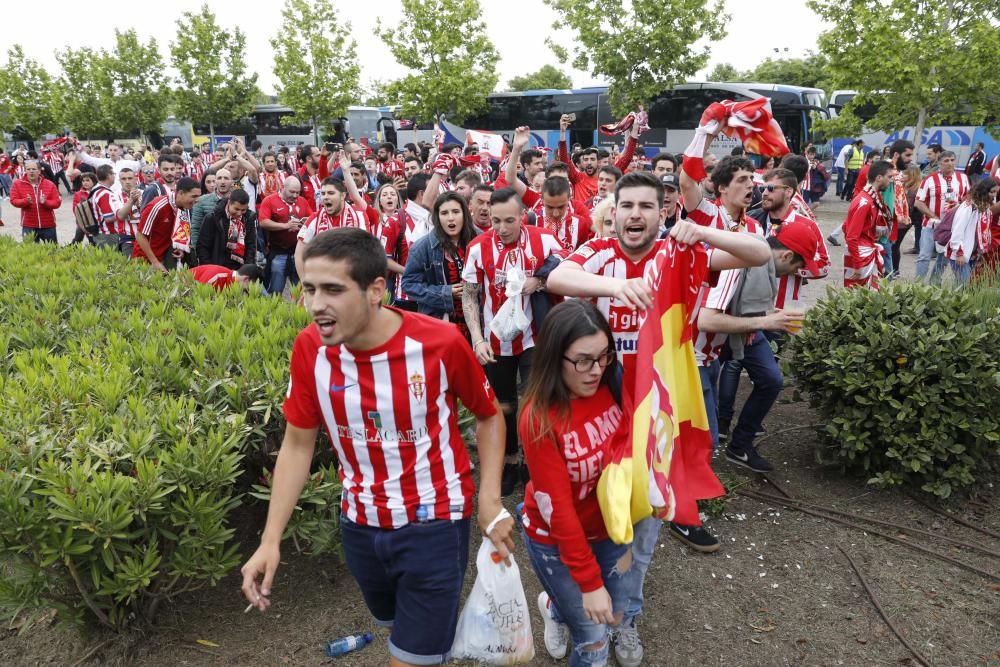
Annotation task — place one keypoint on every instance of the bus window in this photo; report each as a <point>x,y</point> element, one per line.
<point>539,112</point>
<point>584,105</point>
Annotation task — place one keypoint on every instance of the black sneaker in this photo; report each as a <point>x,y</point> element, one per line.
<point>511,476</point>
<point>695,537</point>
<point>748,459</point>
<point>832,240</point>
<point>723,431</point>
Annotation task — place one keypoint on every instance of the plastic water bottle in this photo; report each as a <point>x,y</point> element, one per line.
<point>339,647</point>
<point>422,514</point>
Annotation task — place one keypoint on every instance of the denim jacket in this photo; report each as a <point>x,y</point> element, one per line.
<point>425,279</point>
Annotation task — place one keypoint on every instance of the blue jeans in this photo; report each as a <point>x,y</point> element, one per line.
<point>709,392</point>
<point>887,267</point>
<point>5,184</point>
<point>729,384</point>
<point>762,367</point>
<point>280,268</point>
<point>645,534</point>
<point>41,235</point>
<point>567,600</point>
<point>841,179</point>
<point>929,252</point>
<point>411,579</point>
<point>962,271</point>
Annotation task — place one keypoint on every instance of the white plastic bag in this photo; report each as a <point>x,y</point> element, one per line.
<point>495,626</point>
<point>510,321</point>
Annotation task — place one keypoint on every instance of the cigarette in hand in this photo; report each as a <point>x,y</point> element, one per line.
<point>249,607</point>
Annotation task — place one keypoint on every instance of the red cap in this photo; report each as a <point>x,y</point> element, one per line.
<point>802,239</point>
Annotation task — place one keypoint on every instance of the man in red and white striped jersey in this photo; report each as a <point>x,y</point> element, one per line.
<point>610,270</point>
<point>272,179</point>
<point>111,212</point>
<point>160,218</point>
<point>386,385</point>
<point>868,219</point>
<point>939,191</point>
<point>571,230</point>
<point>732,180</point>
<point>335,212</point>
<point>509,245</point>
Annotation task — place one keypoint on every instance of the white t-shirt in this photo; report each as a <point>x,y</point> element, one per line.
<point>841,161</point>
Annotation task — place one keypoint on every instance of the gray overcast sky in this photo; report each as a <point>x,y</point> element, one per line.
<point>517,28</point>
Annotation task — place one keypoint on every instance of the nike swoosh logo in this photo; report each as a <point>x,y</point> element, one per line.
<point>684,531</point>
<point>339,387</point>
<point>742,457</point>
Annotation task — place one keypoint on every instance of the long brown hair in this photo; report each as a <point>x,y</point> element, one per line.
<point>466,234</point>
<point>979,194</point>
<point>546,391</point>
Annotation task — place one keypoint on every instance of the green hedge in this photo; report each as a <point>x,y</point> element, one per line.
<point>136,412</point>
<point>906,381</point>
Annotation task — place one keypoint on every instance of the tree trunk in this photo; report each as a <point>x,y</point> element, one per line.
<point>211,136</point>
<point>315,131</point>
<point>918,131</point>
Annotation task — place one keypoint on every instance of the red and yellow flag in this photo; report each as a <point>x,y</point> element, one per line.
<point>661,465</point>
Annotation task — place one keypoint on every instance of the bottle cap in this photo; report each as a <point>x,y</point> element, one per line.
<point>368,637</point>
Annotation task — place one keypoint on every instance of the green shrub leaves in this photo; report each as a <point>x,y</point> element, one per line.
<point>135,412</point>
<point>906,379</point>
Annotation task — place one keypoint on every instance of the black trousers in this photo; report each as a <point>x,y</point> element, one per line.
<point>509,376</point>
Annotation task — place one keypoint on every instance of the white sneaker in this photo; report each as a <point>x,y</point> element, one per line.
<point>556,634</point>
<point>628,647</point>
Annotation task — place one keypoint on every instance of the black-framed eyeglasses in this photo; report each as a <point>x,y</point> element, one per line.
<point>770,187</point>
<point>585,364</point>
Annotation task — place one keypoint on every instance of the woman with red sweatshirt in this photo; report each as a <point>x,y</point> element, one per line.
<point>567,425</point>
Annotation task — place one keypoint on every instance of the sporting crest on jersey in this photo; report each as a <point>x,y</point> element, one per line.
<point>417,386</point>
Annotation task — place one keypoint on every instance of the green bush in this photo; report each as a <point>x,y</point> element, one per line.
<point>907,381</point>
<point>136,412</point>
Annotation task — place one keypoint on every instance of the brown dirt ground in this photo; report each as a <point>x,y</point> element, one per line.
<point>778,593</point>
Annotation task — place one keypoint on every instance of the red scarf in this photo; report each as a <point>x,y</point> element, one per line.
<point>237,239</point>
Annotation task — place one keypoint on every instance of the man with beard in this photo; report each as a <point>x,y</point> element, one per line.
<point>584,179</point>
<point>335,212</point>
<point>170,167</point>
<point>610,269</point>
<point>384,153</point>
<point>207,203</point>
<point>229,234</point>
<point>868,219</point>
<point>309,157</point>
<point>281,216</point>
<point>412,166</point>
<point>533,167</point>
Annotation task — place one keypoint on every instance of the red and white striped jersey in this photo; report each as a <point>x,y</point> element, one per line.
<point>311,188</point>
<point>195,169</point>
<point>714,214</point>
<point>604,257</point>
<point>708,345</point>
<point>801,207</point>
<point>55,160</point>
<point>939,192</point>
<point>392,416</point>
<point>487,262</point>
<point>105,203</point>
<point>132,224</point>
<point>572,231</point>
<point>321,221</point>
<point>271,182</point>
<point>790,286</point>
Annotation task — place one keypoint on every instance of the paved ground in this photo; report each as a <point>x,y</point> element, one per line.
<point>830,212</point>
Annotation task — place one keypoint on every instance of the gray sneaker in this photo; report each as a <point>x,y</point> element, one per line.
<point>628,647</point>
<point>556,635</point>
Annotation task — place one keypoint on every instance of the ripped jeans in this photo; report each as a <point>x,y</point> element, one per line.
<point>615,560</point>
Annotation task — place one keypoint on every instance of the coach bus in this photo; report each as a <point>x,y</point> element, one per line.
<point>265,125</point>
<point>957,138</point>
<point>673,115</point>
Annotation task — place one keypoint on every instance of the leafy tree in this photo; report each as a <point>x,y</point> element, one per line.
<point>213,86</point>
<point>315,60</point>
<point>26,95</point>
<point>726,72</point>
<point>920,63</point>
<point>642,47</point>
<point>812,71</point>
<point>548,76</point>
<point>136,76</point>
<point>452,66</point>
<point>83,93</point>
<point>375,94</point>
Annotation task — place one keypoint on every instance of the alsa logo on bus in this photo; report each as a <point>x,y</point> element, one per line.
<point>934,135</point>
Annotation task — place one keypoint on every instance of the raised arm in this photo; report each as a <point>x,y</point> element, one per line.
<point>522,136</point>
<point>692,171</point>
<point>574,174</point>
<point>625,158</point>
<point>732,250</point>
<point>352,187</point>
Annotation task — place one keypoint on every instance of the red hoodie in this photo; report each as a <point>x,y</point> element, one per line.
<point>25,196</point>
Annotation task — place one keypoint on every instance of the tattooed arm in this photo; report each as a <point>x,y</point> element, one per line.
<point>471,310</point>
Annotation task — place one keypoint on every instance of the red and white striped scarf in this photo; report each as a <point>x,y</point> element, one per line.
<point>348,217</point>
<point>236,244</point>
<point>272,182</point>
<point>182,225</point>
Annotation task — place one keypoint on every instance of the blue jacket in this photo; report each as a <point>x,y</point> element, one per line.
<point>425,279</point>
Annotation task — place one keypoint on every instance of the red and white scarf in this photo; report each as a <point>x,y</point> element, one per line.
<point>348,217</point>
<point>182,225</point>
<point>236,244</point>
<point>272,182</point>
